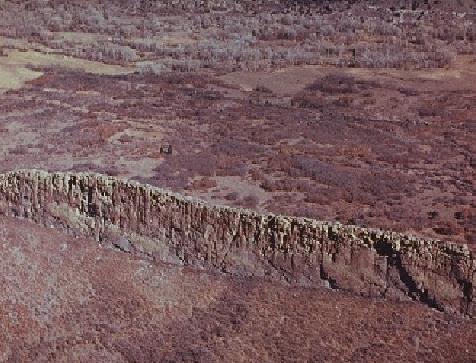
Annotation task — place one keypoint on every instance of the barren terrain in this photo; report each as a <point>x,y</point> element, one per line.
<point>81,302</point>
<point>382,149</point>
<point>350,111</point>
<point>390,147</point>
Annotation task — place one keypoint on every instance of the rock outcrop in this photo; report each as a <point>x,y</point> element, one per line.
<point>170,227</point>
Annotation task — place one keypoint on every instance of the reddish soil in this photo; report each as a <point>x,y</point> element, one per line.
<point>360,112</point>
<point>65,299</point>
<point>389,149</point>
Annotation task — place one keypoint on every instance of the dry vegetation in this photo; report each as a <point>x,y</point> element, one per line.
<point>246,35</point>
<point>378,152</point>
<point>82,303</point>
<point>356,111</point>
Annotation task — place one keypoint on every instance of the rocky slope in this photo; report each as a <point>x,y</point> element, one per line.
<point>66,299</point>
<point>169,227</point>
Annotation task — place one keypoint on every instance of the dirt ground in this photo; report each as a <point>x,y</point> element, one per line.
<point>260,103</point>
<point>379,148</point>
<point>66,299</point>
<point>358,112</point>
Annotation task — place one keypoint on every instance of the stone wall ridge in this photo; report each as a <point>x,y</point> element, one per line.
<point>165,225</point>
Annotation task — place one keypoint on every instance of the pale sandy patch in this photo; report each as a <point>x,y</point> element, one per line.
<point>15,72</point>
<point>282,82</point>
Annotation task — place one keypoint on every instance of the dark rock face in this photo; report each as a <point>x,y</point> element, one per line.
<point>173,228</point>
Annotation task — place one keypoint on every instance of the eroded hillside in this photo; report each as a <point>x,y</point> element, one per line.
<point>346,129</point>
<point>167,227</point>
<point>67,299</point>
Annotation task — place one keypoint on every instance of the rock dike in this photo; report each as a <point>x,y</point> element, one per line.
<point>166,226</point>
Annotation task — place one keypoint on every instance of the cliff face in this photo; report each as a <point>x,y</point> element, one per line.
<point>166,226</point>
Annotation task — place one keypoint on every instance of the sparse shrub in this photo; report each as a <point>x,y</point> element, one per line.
<point>250,201</point>
<point>125,139</point>
<point>268,184</point>
<point>203,184</point>
<point>231,196</point>
<point>19,150</point>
